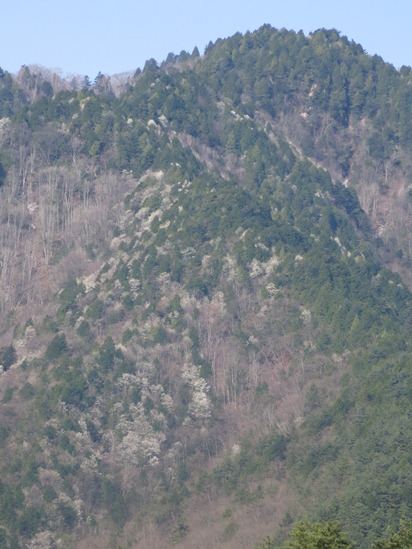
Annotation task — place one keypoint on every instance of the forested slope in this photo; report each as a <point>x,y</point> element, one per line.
<point>202,341</point>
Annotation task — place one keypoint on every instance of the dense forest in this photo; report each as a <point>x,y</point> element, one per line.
<point>205,300</point>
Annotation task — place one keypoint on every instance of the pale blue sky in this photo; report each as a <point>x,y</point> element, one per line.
<point>113,36</point>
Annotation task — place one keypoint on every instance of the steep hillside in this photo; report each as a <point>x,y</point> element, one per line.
<point>201,341</point>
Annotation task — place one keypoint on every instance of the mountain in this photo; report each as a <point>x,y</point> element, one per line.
<point>205,297</point>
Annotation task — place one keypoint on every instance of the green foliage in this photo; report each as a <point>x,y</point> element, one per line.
<point>11,501</point>
<point>69,294</point>
<point>85,331</point>
<point>267,543</point>
<point>8,357</point>
<point>272,447</point>
<point>29,521</point>
<point>96,310</point>
<point>108,354</point>
<point>68,514</point>
<point>49,494</point>
<point>402,539</point>
<point>234,473</point>
<point>159,335</point>
<point>93,431</point>
<point>114,502</point>
<point>323,535</point>
<point>4,433</point>
<point>27,391</point>
<point>317,535</point>
<point>56,348</point>
<point>74,391</point>
<point>3,538</point>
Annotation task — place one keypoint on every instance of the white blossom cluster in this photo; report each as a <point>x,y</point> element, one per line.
<point>255,268</point>
<point>306,315</point>
<point>28,335</point>
<point>271,289</point>
<point>135,285</point>
<point>89,282</point>
<point>230,269</point>
<point>44,540</point>
<point>259,268</point>
<point>218,302</point>
<point>199,406</point>
<point>139,442</point>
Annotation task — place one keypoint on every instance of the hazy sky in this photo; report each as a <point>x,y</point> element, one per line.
<point>113,36</point>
